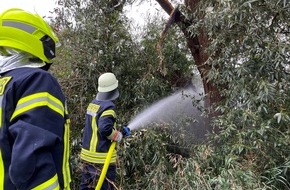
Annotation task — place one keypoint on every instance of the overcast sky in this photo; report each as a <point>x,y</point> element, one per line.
<point>41,7</point>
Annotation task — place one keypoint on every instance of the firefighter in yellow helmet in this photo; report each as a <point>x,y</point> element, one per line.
<point>99,132</point>
<point>34,124</point>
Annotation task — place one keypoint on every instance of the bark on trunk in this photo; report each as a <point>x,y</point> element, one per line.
<point>197,45</point>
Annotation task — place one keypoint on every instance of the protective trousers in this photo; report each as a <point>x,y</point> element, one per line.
<point>91,173</point>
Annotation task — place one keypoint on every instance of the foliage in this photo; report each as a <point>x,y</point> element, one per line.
<point>146,162</point>
<point>249,54</point>
<point>95,39</point>
<point>249,57</point>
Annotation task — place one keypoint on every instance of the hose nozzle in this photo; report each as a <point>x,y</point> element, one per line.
<point>126,131</point>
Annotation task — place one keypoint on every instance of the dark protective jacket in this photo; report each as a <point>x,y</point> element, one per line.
<point>34,131</point>
<point>99,128</point>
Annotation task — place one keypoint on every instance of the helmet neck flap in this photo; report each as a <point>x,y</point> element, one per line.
<point>18,60</point>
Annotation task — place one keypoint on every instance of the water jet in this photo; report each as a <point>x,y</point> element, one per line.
<point>185,103</point>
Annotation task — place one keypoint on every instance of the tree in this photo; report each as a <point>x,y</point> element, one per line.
<point>197,42</point>
<point>241,49</point>
<point>95,39</point>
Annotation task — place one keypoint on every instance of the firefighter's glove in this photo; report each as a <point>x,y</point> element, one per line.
<point>116,136</point>
<point>126,131</point>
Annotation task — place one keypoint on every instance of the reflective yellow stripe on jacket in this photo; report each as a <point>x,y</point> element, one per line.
<point>91,155</point>
<point>1,98</point>
<point>94,139</point>
<point>2,172</point>
<point>97,157</point>
<point>37,100</point>
<point>66,153</point>
<point>109,113</point>
<point>92,111</point>
<point>93,108</point>
<point>51,184</point>
<point>45,99</point>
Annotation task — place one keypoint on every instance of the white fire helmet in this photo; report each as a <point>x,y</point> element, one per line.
<point>107,87</point>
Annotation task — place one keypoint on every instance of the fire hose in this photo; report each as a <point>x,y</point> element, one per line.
<point>126,132</point>
<point>106,166</point>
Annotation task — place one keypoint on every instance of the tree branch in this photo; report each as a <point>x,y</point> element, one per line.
<point>161,40</point>
<point>166,5</point>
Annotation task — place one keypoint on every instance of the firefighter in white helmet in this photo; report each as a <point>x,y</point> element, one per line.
<point>34,124</point>
<point>99,132</point>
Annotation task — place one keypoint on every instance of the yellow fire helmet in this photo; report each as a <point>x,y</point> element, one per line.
<point>27,32</point>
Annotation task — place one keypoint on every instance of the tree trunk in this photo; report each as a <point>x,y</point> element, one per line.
<point>197,45</point>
